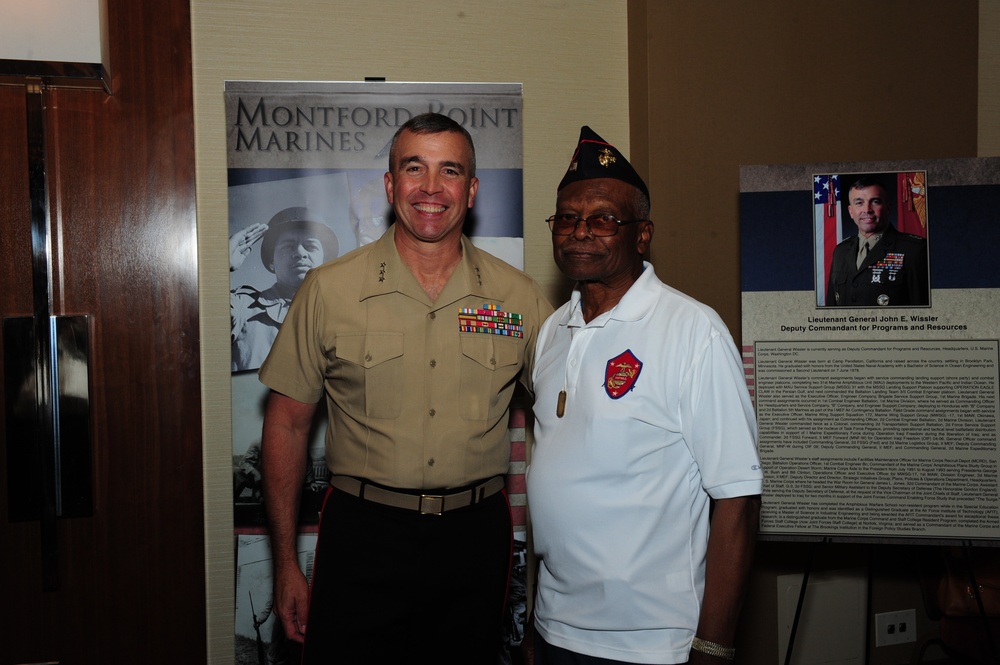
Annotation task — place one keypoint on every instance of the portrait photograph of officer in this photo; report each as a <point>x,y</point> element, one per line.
<point>872,239</point>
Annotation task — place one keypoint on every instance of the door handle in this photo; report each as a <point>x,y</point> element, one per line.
<point>46,379</point>
<point>47,408</point>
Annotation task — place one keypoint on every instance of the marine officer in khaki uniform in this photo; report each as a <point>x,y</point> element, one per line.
<point>417,341</point>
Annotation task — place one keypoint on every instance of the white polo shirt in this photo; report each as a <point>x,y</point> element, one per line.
<point>657,420</point>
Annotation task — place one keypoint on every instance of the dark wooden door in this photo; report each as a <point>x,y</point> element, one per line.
<point>120,172</point>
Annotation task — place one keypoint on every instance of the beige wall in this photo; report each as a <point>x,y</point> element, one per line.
<point>571,56</point>
<point>792,85</point>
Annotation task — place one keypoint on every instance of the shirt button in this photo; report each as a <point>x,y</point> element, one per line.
<point>493,361</point>
<point>368,357</point>
<point>430,462</point>
<point>432,315</point>
<point>434,363</point>
<point>432,413</point>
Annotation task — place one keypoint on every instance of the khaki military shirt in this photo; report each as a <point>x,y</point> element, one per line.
<point>417,391</point>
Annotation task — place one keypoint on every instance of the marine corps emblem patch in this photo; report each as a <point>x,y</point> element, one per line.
<point>621,373</point>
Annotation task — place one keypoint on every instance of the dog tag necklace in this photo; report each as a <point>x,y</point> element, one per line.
<point>561,402</point>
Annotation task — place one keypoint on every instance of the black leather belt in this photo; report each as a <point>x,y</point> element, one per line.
<point>425,504</point>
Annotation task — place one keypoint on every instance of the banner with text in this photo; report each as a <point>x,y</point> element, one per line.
<point>307,159</point>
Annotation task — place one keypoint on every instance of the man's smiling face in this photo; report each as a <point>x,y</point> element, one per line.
<point>869,209</point>
<point>430,185</point>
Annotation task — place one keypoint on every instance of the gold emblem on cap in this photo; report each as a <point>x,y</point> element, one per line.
<point>605,158</point>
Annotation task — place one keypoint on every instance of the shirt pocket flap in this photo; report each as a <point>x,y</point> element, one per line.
<point>491,351</point>
<point>369,349</point>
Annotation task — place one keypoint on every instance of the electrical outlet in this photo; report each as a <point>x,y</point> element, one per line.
<point>895,628</point>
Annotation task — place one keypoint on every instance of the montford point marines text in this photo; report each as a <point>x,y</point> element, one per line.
<point>263,126</point>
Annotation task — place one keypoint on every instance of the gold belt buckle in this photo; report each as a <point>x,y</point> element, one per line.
<point>434,504</point>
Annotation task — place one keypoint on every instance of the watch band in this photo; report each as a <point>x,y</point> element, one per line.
<point>713,649</point>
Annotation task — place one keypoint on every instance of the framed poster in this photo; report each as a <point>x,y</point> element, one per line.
<point>875,371</point>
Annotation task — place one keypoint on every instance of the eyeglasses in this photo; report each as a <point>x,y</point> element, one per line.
<point>565,224</point>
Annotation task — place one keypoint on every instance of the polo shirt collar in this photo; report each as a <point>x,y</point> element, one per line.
<point>634,305</point>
